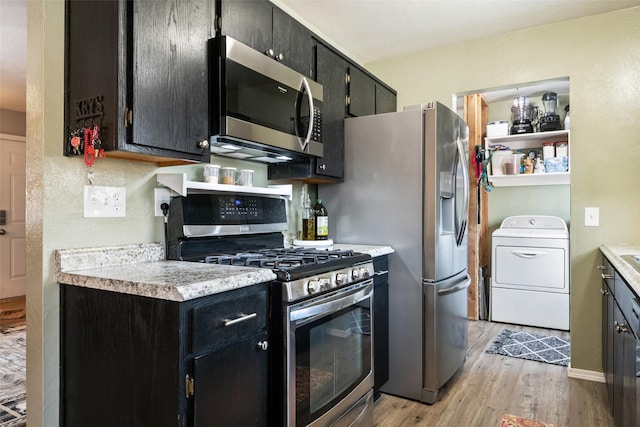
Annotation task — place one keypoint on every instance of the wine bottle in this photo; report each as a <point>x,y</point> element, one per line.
<point>322,221</point>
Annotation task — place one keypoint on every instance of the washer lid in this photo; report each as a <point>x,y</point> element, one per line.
<point>533,226</point>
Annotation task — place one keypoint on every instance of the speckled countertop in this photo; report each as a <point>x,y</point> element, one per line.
<point>140,269</point>
<point>629,274</point>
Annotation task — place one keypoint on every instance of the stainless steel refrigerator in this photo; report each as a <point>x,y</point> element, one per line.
<point>406,185</point>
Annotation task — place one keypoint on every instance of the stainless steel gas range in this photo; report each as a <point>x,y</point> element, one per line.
<point>321,319</point>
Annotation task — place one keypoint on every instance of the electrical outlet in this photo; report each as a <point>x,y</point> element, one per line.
<point>591,217</point>
<point>161,195</point>
<point>104,202</point>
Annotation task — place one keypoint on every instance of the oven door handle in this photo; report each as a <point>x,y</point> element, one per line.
<point>332,304</point>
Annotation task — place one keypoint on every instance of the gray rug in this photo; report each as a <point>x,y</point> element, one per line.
<point>13,405</point>
<point>530,346</point>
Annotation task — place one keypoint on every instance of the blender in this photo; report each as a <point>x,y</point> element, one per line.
<point>551,119</point>
<point>522,115</point>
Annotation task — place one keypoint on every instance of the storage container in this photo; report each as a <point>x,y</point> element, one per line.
<point>497,161</point>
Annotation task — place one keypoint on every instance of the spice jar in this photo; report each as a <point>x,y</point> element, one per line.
<point>228,175</point>
<point>562,149</point>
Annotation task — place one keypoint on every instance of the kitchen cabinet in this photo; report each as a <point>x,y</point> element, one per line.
<point>267,29</point>
<point>380,323</point>
<point>525,143</point>
<point>366,96</point>
<point>138,70</point>
<point>621,344</point>
<point>128,360</point>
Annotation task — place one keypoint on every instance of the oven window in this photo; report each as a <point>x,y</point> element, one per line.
<point>333,356</point>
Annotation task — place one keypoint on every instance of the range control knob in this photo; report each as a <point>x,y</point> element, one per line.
<point>314,286</point>
<point>360,273</point>
<point>325,283</point>
<point>342,278</point>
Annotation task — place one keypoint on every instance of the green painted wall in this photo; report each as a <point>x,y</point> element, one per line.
<point>601,57</point>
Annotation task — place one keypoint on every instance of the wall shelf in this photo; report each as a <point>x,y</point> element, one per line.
<point>180,185</point>
<point>529,141</point>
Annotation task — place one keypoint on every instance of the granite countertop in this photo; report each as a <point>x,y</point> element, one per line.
<point>628,273</point>
<point>140,269</point>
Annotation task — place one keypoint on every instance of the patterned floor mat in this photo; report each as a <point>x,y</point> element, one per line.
<point>13,406</point>
<point>530,346</point>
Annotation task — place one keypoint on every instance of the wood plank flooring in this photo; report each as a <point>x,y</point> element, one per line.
<point>12,312</point>
<point>491,385</point>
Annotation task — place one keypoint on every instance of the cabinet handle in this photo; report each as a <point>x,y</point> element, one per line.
<point>263,345</point>
<point>604,291</point>
<point>323,167</point>
<point>203,144</point>
<point>280,57</point>
<point>620,327</point>
<point>606,276</point>
<point>243,318</point>
<point>381,273</point>
<point>601,267</point>
<point>269,52</point>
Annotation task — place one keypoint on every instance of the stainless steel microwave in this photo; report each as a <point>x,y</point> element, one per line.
<point>260,109</point>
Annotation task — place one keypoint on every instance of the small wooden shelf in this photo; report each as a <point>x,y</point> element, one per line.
<point>179,184</point>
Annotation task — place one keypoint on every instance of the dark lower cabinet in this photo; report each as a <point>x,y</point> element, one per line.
<point>138,70</point>
<point>621,347</point>
<point>132,361</point>
<point>380,323</point>
<point>230,378</point>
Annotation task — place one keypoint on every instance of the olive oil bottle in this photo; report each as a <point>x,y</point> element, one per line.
<point>308,220</point>
<point>322,220</point>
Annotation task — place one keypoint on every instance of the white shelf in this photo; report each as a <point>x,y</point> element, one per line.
<point>179,184</point>
<point>556,178</point>
<point>527,141</point>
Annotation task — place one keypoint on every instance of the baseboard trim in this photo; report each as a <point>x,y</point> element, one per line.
<point>583,374</point>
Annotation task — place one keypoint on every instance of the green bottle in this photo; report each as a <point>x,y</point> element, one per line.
<point>322,221</point>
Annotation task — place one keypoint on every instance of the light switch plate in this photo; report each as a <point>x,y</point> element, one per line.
<point>591,217</point>
<point>104,202</point>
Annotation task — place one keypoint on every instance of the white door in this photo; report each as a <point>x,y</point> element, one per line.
<point>12,202</point>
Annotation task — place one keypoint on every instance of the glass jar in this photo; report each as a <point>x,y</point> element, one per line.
<point>228,175</point>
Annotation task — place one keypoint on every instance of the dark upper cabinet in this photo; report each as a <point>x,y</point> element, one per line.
<point>138,69</point>
<point>361,96</point>
<point>366,96</point>
<point>386,101</point>
<point>267,29</point>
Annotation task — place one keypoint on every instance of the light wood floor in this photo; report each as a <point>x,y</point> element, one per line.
<point>12,312</point>
<point>491,385</point>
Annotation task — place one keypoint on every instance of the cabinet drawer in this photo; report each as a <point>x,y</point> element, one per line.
<point>229,318</point>
<point>628,302</point>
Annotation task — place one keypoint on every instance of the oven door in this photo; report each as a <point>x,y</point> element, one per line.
<point>330,354</point>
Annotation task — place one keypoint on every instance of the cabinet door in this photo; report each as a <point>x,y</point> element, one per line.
<point>231,385</point>
<point>361,92</point>
<point>249,22</point>
<point>331,73</point>
<point>294,42</point>
<point>380,323</point>
<point>385,100</point>
<point>169,100</point>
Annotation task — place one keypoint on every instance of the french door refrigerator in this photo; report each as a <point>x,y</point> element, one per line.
<point>406,185</point>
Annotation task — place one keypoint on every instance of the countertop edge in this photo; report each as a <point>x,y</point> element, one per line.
<point>140,269</point>
<point>613,253</point>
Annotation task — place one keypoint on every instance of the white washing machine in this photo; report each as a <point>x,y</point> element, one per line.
<point>530,272</point>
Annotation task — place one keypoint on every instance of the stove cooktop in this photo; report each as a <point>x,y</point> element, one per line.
<point>292,263</point>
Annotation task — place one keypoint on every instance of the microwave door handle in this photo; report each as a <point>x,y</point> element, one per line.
<point>307,89</point>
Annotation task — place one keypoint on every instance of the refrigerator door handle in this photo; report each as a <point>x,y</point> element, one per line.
<point>456,288</point>
<point>465,176</point>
